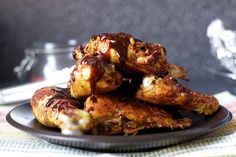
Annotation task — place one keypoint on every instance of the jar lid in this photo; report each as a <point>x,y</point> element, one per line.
<point>53,47</point>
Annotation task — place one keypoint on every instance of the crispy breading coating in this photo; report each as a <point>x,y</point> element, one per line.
<point>114,115</point>
<point>168,91</point>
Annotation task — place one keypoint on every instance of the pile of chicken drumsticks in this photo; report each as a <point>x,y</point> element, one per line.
<point>120,85</point>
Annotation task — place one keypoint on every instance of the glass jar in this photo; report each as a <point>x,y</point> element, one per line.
<point>43,58</point>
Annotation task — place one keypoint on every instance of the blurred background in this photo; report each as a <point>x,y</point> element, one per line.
<point>180,25</point>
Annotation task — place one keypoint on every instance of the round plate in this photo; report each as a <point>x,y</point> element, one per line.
<point>22,118</point>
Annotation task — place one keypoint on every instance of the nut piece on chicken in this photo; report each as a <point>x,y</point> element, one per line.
<point>115,115</point>
<point>54,107</point>
<point>93,75</point>
<point>130,54</point>
<point>168,91</point>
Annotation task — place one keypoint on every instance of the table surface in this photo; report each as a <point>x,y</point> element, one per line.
<point>218,143</point>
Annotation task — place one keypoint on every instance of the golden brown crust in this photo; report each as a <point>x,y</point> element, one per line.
<point>168,91</point>
<point>47,102</point>
<point>113,115</point>
<point>54,107</point>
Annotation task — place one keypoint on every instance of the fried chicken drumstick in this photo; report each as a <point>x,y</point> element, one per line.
<point>93,75</point>
<point>115,115</point>
<point>168,91</point>
<point>131,55</point>
<point>54,107</point>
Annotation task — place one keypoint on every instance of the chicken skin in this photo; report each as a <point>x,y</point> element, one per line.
<point>118,115</point>
<point>54,107</point>
<point>93,75</point>
<point>168,91</point>
<point>131,55</point>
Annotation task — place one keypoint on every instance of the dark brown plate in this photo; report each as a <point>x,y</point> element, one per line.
<point>22,118</point>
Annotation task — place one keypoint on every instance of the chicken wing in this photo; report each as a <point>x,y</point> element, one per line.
<point>168,91</point>
<point>115,115</point>
<point>54,107</point>
<point>130,54</point>
<point>93,75</point>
